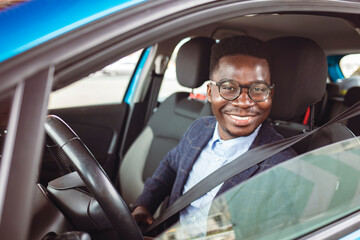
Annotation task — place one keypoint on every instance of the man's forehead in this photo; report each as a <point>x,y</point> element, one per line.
<point>243,59</point>
<point>247,67</point>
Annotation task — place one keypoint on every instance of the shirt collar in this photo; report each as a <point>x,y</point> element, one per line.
<point>229,145</point>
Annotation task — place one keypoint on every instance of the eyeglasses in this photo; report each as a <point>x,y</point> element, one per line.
<point>230,90</point>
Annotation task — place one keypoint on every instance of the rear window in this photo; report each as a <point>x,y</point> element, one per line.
<point>350,65</point>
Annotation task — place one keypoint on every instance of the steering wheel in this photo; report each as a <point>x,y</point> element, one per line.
<point>94,178</point>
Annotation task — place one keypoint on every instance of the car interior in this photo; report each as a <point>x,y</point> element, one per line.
<point>166,126</point>
<point>351,97</point>
<point>126,141</point>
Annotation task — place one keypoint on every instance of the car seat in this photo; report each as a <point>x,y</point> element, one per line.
<point>299,72</point>
<point>330,104</point>
<point>169,122</point>
<point>352,96</point>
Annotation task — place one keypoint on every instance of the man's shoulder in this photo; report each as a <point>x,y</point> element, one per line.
<point>200,130</point>
<point>203,124</point>
<point>268,133</point>
<point>206,121</point>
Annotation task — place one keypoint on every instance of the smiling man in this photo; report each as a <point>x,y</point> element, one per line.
<point>244,95</point>
<point>240,93</point>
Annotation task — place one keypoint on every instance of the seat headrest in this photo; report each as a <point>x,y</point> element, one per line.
<point>352,96</point>
<point>193,62</point>
<point>332,89</point>
<point>299,71</point>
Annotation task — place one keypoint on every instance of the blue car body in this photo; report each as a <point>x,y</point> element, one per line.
<point>43,20</point>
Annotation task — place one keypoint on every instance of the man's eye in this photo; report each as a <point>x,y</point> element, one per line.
<point>258,89</point>
<point>228,88</point>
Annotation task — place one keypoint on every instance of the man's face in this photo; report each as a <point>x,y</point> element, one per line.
<point>239,117</point>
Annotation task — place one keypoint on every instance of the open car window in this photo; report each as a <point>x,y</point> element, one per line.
<point>106,86</point>
<point>286,201</point>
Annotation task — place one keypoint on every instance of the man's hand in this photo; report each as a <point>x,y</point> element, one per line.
<point>142,217</point>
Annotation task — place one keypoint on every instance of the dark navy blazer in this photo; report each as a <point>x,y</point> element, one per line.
<point>172,173</point>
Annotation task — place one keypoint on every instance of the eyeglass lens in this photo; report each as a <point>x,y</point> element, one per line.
<point>231,90</point>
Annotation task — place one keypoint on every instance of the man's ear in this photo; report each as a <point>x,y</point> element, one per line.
<point>208,93</point>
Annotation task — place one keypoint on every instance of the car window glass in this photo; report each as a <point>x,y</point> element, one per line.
<point>105,86</point>
<point>170,84</point>
<point>287,201</point>
<point>350,67</point>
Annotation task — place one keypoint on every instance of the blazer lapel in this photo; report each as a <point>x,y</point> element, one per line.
<point>196,146</point>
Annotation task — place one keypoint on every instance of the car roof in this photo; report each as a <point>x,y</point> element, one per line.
<point>27,24</point>
<point>303,24</point>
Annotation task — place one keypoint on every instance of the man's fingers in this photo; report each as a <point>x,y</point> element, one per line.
<point>142,216</point>
<point>149,220</point>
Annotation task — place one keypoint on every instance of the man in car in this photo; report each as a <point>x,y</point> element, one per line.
<point>240,93</point>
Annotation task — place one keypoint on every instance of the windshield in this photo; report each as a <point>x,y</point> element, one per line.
<point>286,201</point>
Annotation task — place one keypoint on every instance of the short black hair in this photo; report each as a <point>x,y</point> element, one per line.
<point>243,45</point>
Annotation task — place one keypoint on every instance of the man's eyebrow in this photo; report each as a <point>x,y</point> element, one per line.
<point>232,79</point>
<point>256,81</point>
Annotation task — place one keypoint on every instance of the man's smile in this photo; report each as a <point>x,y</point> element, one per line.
<point>241,120</point>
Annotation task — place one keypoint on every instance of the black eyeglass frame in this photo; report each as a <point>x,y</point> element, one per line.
<point>241,86</point>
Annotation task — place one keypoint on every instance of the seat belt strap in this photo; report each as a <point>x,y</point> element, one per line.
<point>154,91</point>
<point>250,158</point>
<point>160,63</point>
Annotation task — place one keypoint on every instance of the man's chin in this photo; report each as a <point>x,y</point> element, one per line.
<point>245,134</point>
<point>233,131</point>
<point>242,132</point>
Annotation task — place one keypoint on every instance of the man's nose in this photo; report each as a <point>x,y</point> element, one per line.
<point>243,101</point>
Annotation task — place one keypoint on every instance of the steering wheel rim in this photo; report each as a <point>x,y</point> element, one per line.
<point>94,177</point>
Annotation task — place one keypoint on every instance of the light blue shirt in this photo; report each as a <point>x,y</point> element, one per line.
<point>216,153</point>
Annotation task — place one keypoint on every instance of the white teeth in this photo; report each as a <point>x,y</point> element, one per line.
<point>240,118</point>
